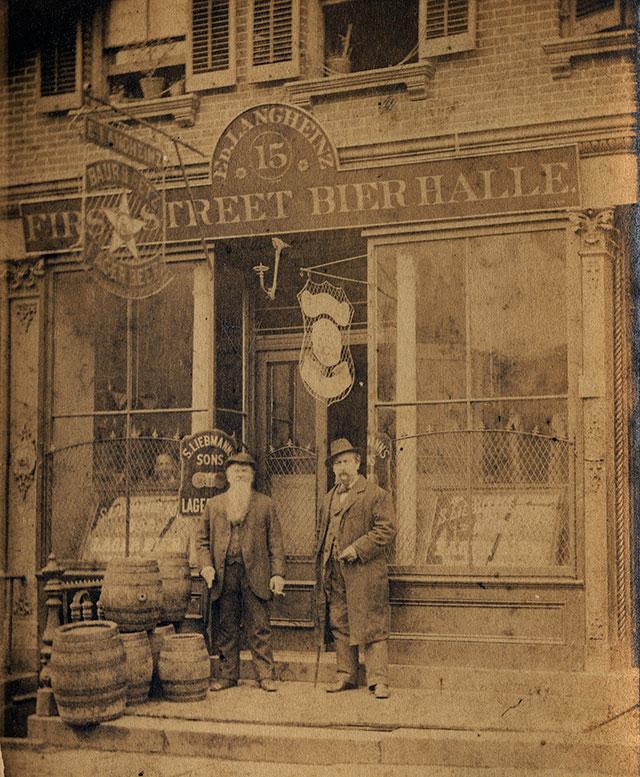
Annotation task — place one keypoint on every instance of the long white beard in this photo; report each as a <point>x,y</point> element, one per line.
<point>238,497</point>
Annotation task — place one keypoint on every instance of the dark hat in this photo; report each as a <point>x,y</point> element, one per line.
<point>242,457</point>
<point>340,446</point>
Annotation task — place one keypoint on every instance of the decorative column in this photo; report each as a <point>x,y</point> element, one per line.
<point>592,230</point>
<point>21,415</point>
<point>51,575</point>
<point>406,418</point>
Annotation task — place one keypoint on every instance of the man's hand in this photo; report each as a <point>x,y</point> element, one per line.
<point>349,554</point>
<point>208,574</point>
<point>276,584</point>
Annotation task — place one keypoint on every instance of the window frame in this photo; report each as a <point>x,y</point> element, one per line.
<point>212,79</point>
<point>274,71</point>
<point>573,569</point>
<point>66,100</point>
<point>596,21</point>
<point>446,44</point>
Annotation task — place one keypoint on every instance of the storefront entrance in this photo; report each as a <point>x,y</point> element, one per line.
<point>293,431</point>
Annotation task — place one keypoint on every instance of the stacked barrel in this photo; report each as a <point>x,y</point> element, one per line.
<point>99,666</point>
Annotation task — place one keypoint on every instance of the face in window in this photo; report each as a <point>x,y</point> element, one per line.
<point>345,468</point>
<point>165,470</point>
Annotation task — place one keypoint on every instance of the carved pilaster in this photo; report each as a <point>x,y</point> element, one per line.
<point>593,230</point>
<point>24,275</point>
<point>23,460</point>
<point>25,313</point>
<point>52,576</point>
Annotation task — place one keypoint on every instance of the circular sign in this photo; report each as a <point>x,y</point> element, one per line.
<point>326,342</point>
<point>271,155</point>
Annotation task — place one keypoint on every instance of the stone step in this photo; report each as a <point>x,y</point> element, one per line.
<point>443,748</point>
<point>33,757</point>
<point>299,666</point>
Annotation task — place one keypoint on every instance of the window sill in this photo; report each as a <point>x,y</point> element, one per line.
<point>562,51</point>
<point>414,77</point>
<point>183,108</point>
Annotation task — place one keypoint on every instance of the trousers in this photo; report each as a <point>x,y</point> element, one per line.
<point>239,607</point>
<point>376,654</point>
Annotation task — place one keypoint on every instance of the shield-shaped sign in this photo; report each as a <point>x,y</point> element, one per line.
<point>326,364</point>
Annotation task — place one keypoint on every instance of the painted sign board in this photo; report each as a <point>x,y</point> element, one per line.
<point>274,169</point>
<point>108,136</point>
<point>202,457</point>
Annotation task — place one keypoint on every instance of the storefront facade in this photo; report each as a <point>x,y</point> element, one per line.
<point>459,221</point>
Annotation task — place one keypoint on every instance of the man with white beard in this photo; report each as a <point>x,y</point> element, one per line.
<point>241,557</point>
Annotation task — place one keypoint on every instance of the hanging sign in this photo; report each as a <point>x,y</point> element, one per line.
<point>121,142</point>
<point>326,364</point>
<point>123,219</point>
<point>202,457</point>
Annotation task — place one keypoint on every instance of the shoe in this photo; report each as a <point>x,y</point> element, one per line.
<point>381,691</point>
<point>341,685</point>
<point>223,684</point>
<point>268,685</point>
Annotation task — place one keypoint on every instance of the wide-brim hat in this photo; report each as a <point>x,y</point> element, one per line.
<point>242,457</point>
<point>340,446</point>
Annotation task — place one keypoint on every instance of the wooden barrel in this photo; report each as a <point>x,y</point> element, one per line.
<point>184,668</point>
<point>156,640</point>
<point>175,578</point>
<point>139,666</point>
<point>88,672</point>
<point>132,593</point>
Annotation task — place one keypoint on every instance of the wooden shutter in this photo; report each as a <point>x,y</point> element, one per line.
<point>447,26</point>
<point>212,44</point>
<point>595,15</point>
<point>60,67</point>
<point>273,39</point>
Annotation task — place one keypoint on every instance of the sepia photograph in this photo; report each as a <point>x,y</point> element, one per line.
<point>319,388</point>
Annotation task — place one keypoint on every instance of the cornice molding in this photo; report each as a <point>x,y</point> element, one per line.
<point>562,51</point>
<point>183,108</point>
<point>614,133</point>
<point>414,77</point>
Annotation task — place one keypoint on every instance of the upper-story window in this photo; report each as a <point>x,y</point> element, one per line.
<point>584,17</point>
<point>371,34</point>
<point>60,64</point>
<point>145,47</point>
<point>273,39</point>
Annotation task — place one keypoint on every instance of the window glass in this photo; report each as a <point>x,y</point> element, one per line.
<point>122,400</point>
<point>472,393</point>
<point>163,345</point>
<point>369,34</point>
<point>517,306</point>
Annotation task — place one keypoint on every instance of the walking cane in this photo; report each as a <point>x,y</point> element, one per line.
<point>207,619</point>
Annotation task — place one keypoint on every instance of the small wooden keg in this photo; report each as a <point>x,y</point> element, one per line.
<point>175,579</point>
<point>156,640</point>
<point>139,666</point>
<point>88,672</point>
<point>184,668</point>
<point>132,593</point>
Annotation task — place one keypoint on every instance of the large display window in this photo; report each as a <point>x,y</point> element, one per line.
<point>472,395</point>
<point>129,379</point>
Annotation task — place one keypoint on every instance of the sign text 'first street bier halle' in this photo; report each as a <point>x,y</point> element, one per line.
<point>275,169</point>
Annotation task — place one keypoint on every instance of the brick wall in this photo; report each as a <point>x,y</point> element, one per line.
<point>505,81</point>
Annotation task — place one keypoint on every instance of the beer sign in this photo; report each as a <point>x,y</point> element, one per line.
<point>202,457</point>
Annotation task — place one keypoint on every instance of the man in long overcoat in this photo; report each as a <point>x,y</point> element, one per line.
<point>241,559</point>
<point>356,525</point>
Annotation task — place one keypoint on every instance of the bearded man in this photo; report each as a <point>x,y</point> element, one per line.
<point>241,557</point>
